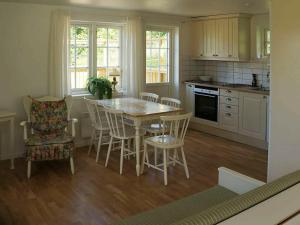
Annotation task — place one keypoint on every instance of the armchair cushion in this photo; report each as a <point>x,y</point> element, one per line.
<point>49,117</point>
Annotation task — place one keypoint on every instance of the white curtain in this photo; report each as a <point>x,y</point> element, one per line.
<point>59,79</point>
<point>134,55</point>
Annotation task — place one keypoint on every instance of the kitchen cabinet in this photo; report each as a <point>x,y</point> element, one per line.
<point>223,38</point>
<point>253,115</point>
<point>229,117</point>
<point>198,39</point>
<point>189,98</point>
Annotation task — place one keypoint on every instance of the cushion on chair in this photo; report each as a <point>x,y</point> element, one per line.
<point>180,209</point>
<point>50,152</point>
<point>49,117</point>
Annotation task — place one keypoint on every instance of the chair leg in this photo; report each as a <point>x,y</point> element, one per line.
<point>185,164</point>
<point>99,146</point>
<point>144,157</point>
<point>175,156</point>
<point>28,169</point>
<point>92,141</point>
<point>129,147</point>
<point>122,156</point>
<point>72,165</point>
<point>109,150</point>
<point>165,167</point>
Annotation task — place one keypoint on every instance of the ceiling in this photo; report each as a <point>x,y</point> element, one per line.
<point>176,7</point>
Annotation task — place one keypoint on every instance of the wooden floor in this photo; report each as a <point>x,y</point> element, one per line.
<point>98,195</point>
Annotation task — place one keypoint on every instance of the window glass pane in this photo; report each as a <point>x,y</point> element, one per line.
<point>81,77</point>
<point>113,37</point>
<point>155,58</point>
<point>101,57</point>
<point>101,72</point>
<point>82,36</point>
<point>148,58</point>
<point>72,35</point>
<point>101,37</point>
<point>163,74</point>
<point>73,77</point>
<point>163,57</point>
<point>113,57</point>
<point>82,57</point>
<point>72,56</point>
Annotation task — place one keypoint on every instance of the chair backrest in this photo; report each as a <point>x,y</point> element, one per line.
<point>96,113</point>
<point>27,101</point>
<point>176,126</point>
<point>170,102</point>
<point>47,115</point>
<point>151,97</point>
<point>115,119</point>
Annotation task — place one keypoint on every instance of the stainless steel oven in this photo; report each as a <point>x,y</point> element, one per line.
<point>206,103</point>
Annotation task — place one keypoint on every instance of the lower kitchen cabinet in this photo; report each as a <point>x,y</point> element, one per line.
<point>253,115</point>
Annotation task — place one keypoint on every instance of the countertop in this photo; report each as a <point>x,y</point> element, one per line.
<point>237,87</point>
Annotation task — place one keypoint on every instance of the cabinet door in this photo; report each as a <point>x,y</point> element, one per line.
<point>189,98</point>
<point>253,115</point>
<point>222,38</point>
<point>209,38</point>
<point>233,38</point>
<point>197,39</point>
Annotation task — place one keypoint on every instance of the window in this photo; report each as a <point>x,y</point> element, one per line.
<point>79,56</point>
<point>95,50</point>
<point>158,56</point>
<point>267,42</point>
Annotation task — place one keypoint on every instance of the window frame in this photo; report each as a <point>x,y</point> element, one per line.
<point>93,50</point>
<point>267,42</point>
<point>171,32</point>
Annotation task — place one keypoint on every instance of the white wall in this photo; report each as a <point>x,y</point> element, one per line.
<point>284,153</point>
<point>24,53</point>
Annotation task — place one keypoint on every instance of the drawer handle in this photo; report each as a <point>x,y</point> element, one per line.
<point>228,99</point>
<point>228,114</point>
<point>228,107</point>
<point>228,91</point>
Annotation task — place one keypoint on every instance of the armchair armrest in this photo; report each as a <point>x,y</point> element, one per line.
<point>73,122</point>
<point>24,125</point>
<point>237,182</point>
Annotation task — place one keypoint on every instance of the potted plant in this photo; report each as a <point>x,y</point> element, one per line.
<point>99,87</point>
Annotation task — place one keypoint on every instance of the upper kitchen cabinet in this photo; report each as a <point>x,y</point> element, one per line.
<point>222,38</point>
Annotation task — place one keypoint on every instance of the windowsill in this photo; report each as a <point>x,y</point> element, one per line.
<point>157,84</point>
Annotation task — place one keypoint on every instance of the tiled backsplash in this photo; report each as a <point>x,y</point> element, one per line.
<point>230,72</point>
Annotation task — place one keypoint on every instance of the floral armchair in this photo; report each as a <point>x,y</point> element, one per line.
<point>48,122</point>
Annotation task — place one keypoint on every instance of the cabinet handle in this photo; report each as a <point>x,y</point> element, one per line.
<point>228,91</point>
<point>228,107</point>
<point>229,99</point>
<point>201,55</point>
<point>228,114</point>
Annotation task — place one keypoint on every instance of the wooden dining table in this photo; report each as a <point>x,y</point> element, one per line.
<point>139,111</point>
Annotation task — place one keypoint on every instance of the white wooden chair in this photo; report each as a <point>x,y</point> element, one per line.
<point>149,97</point>
<point>41,143</point>
<point>172,138</point>
<point>120,131</point>
<point>99,125</point>
<point>155,128</point>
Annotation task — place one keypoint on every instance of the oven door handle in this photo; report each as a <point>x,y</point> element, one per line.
<point>205,95</point>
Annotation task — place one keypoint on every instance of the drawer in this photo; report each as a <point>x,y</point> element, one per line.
<point>229,100</point>
<point>229,121</point>
<point>229,93</point>
<point>229,108</point>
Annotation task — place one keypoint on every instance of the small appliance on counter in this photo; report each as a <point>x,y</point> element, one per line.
<point>205,78</point>
<point>254,80</point>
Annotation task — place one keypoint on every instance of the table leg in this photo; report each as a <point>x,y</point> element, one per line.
<point>12,142</point>
<point>137,124</point>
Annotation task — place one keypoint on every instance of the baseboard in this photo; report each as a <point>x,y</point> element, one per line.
<point>229,135</point>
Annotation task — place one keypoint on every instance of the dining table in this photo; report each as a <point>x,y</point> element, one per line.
<point>139,111</point>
